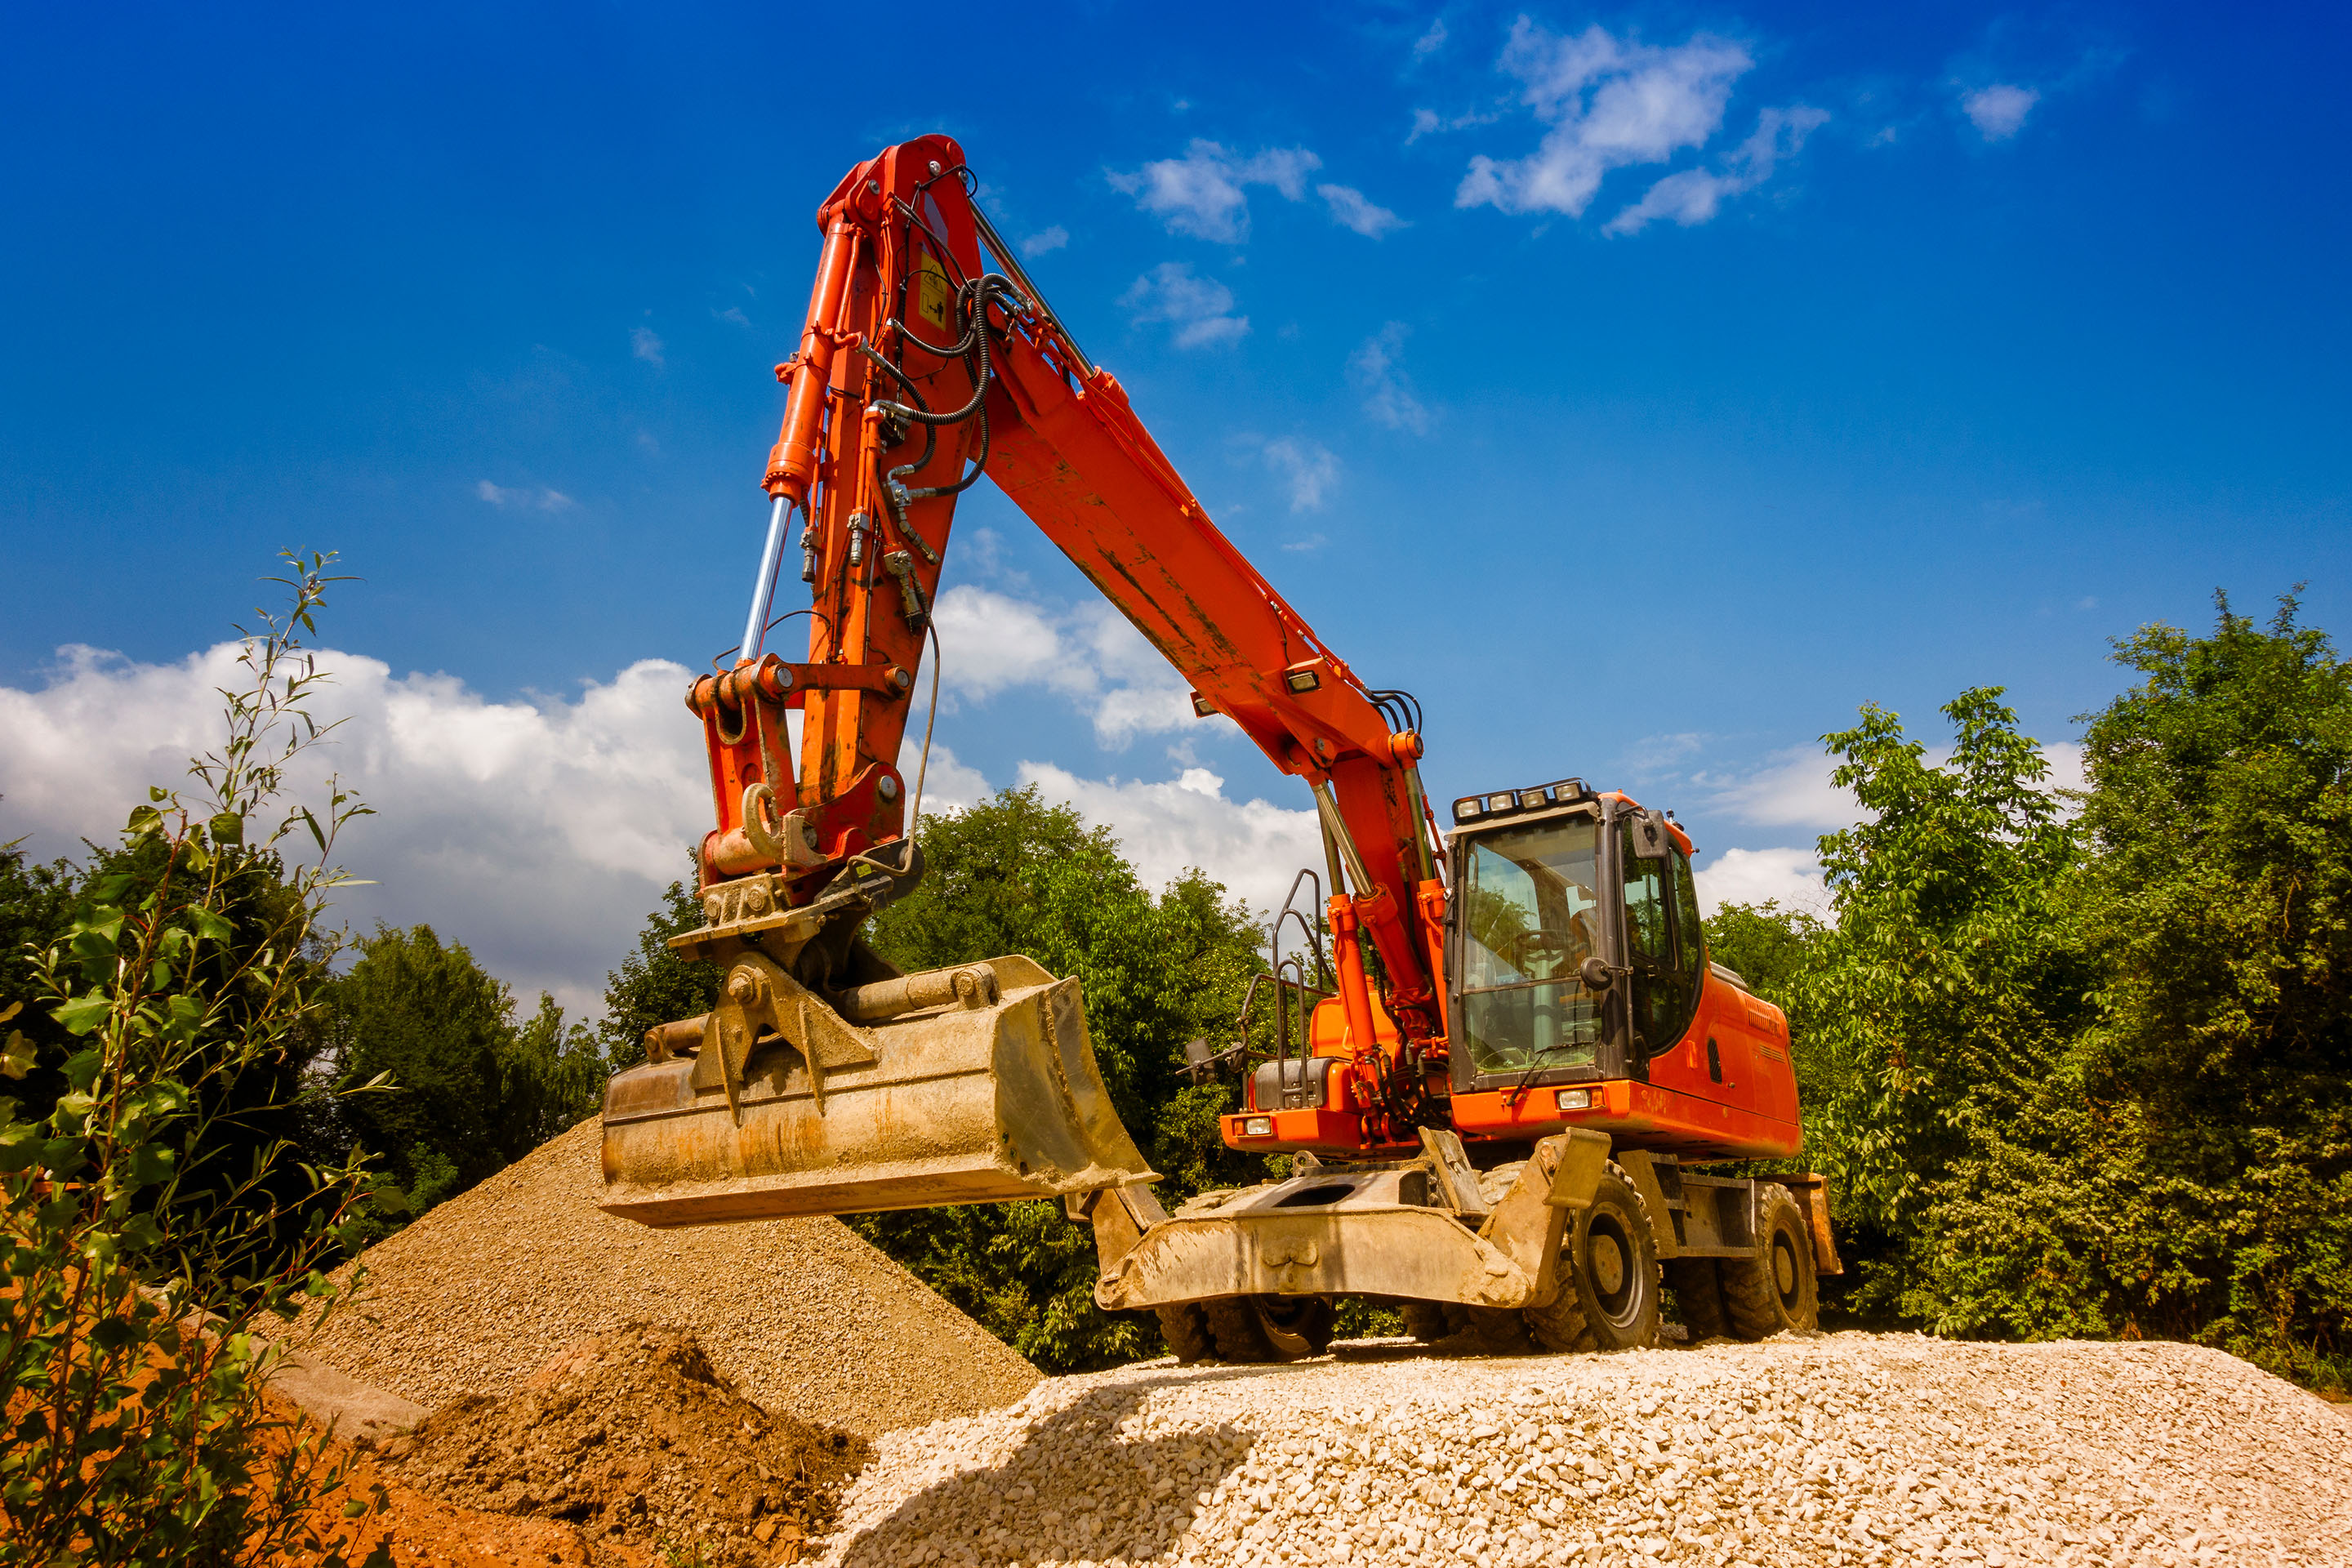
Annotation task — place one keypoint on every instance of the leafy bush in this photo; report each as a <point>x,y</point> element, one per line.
<point>147,1228</point>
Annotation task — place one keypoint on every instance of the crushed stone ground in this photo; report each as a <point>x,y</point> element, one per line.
<point>805,1316</point>
<point>1847,1448</point>
<point>634,1439</point>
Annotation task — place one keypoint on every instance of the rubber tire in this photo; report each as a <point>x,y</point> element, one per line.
<point>1269,1327</point>
<point>1697,1286</point>
<point>1186,1329</point>
<point>1775,1291</point>
<point>1425,1321</point>
<point>1610,1297</point>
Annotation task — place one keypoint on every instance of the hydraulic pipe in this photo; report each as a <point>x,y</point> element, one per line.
<point>792,462</point>
<point>755,630</point>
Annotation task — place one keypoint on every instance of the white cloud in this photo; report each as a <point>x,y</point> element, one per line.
<point>1609,104</point>
<point>1752,875</point>
<point>1432,41</point>
<point>1998,112</point>
<point>1388,396</point>
<point>1308,469</point>
<point>1693,195</point>
<point>1254,847</point>
<point>1793,788</point>
<point>1045,240</point>
<point>1349,209</point>
<point>541,498</point>
<point>991,643</point>
<point>646,346</point>
<point>538,833</point>
<point>1204,193</point>
<point>734,314</point>
<point>1199,308</point>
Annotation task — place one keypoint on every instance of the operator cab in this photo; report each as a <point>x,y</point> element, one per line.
<point>1580,989</point>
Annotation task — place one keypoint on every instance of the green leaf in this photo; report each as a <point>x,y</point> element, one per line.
<point>18,1058</point>
<point>210,925</point>
<point>83,1014</point>
<point>228,827</point>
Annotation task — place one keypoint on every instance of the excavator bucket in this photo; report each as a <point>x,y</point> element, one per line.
<point>958,1085</point>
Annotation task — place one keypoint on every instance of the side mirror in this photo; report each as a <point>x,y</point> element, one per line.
<point>1596,975</point>
<point>1651,839</point>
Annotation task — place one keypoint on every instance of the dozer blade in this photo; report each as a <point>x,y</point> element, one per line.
<point>788,1107</point>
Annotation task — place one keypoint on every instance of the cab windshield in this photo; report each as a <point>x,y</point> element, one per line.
<point>1531,917</point>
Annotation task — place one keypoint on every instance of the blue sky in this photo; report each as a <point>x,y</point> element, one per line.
<point>1645,387</point>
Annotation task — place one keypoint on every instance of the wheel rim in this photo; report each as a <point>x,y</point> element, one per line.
<point>1784,1270</point>
<point>1616,1286</point>
<point>1608,1266</point>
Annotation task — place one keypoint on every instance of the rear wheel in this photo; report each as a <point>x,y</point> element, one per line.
<point>1609,1299</point>
<point>1699,1292</point>
<point>1775,1291</point>
<point>1186,1329</point>
<point>1269,1327</point>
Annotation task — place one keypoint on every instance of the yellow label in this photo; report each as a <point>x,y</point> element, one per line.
<point>931,293</point>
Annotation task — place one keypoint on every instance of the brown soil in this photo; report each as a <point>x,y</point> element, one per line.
<point>634,1438</point>
<point>803,1315</point>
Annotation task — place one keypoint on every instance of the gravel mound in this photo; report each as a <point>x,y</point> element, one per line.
<point>802,1314</point>
<point>1846,1448</point>
<point>635,1437</point>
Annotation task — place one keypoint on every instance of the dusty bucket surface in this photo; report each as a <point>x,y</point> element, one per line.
<point>983,1099</point>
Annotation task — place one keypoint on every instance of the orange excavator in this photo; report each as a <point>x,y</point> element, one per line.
<point>1493,1079</point>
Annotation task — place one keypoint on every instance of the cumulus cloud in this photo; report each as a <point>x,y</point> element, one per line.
<point>1092,655</point>
<point>1792,789</point>
<point>1198,309</point>
<point>1252,847</point>
<point>539,833</point>
<point>1998,112</point>
<point>1752,875</point>
<point>1693,195</point>
<point>1043,241</point>
<point>1205,193</point>
<point>646,346</point>
<point>1609,103</point>
<point>1307,469</point>
<point>1373,371</point>
<point>536,499</point>
<point>1349,209</point>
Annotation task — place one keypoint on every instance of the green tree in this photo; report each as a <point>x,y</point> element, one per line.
<point>467,1089</point>
<point>1947,984</point>
<point>654,985</point>
<point>434,1024</point>
<point>2189,1171</point>
<point>1016,874</point>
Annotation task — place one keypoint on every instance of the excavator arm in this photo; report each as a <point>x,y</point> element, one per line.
<point>919,371</point>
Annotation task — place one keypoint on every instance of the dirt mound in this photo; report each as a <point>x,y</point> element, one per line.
<point>805,1317</point>
<point>635,1437</point>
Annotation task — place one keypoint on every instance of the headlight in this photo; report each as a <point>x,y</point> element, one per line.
<point>1257,1126</point>
<point>1576,1099</point>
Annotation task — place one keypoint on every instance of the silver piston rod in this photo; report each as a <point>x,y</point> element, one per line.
<point>755,630</point>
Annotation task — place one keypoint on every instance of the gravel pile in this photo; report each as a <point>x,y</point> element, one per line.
<point>633,1437</point>
<point>1846,1448</point>
<point>803,1315</point>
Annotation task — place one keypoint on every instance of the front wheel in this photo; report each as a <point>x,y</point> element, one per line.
<point>1608,1298</point>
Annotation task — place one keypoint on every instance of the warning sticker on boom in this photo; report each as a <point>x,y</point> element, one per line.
<point>931,293</point>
